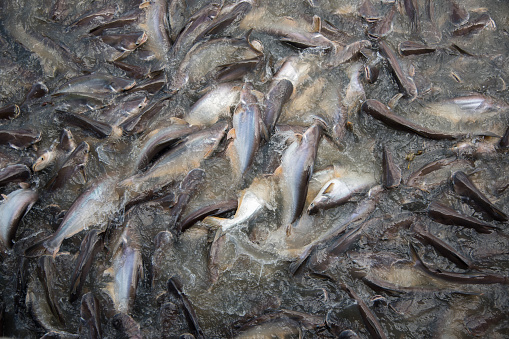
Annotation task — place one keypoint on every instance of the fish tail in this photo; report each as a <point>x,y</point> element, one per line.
<point>43,247</point>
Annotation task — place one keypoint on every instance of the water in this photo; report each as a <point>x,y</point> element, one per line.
<point>254,262</point>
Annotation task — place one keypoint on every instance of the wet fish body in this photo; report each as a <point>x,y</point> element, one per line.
<point>12,209</point>
<point>14,173</point>
<point>88,209</point>
<point>75,163</point>
<point>20,138</point>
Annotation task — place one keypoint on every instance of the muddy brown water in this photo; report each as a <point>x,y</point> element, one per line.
<point>254,276</point>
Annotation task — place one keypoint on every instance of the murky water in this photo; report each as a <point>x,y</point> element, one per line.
<point>246,273</point>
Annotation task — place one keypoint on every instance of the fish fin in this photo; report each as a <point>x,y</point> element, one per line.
<point>231,134</point>
<point>317,24</point>
<point>145,4</point>
<point>178,121</point>
<point>279,171</point>
<point>4,197</point>
<point>289,230</point>
<point>38,249</point>
<point>264,130</point>
<point>329,188</point>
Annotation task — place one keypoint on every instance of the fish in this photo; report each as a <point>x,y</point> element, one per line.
<point>99,129</point>
<point>448,216</point>
<point>183,158</point>
<point>227,15</point>
<point>340,189</point>
<point>374,327</point>
<point>95,83</point>
<point>214,105</point>
<point>405,82</point>
<point>156,27</point>
<point>92,243</point>
<point>412,11</point>
<point>474,26</point>
<point>278,94</point>
<point>19,138</point>
<point>124,43</point>
<point>137,123</point>
<point>461,278</point>
<point>92,207</point>
<point>14,173</point>
<point>421,177</point>
<point>466,188</point>
<point>362,211</point>
<point>56,152</point>
<point>381,112</point>
<point>408,47</point>
<point>218,53</point>
<point>382,27</point>
<point>90,312</point>
<point>340,55</point>
<point>47,272</point>
<point>441,246</point>
<point>216,209</point>
<point>319,261</point>
<point>74,164</point>
<point>391,171</point>
<point>248,130</point>
<point>12,209</point>
<point>126,269</point>
<point>127,326</point>
<point>200,22</point>
<point>175,287</point>
<point>38,90</point>
<point>187,189</point>
<point>160,139</point>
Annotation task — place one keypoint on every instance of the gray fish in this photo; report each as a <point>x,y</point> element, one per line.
<point>47,272</point>
<point>383,26</point>
<point>381,112</point>
<point>136,123</point>
<point>187,188</point>
<point>91,244</point>
<point>216,209</point>
<point>183,158</point>
<point>447,216</point>
<point>175,287</point>
<point>38,90</point>
<point>74,164</point>
<point>248,129</point>
<point>412,11</point>
<point>127,326</point>
<point>226,17</point>
<point>391,171</point>
<point>124,43</point>
<point>13,208</point>
<point>278,94</point>
<point>57,152</point>
<point>461,278</point>
<point>156,27</point>
<point>98,128</point>
<point>14,173</point>
<point>340,55</point>
<point>160,139</point>
<point>93,207</point>
<point>126,269</point>
<point>296,169</point>
<point>96,83</point>
<point>197,24</point>
<point>414,48</point>
<point>475,26</point>
<point>443,248</point>
<point>405,82</point>
<point>466,188</point>
<point>214,105</point>
<point>90,312</point>
<point>20,138</point>
<point>370,320</point>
